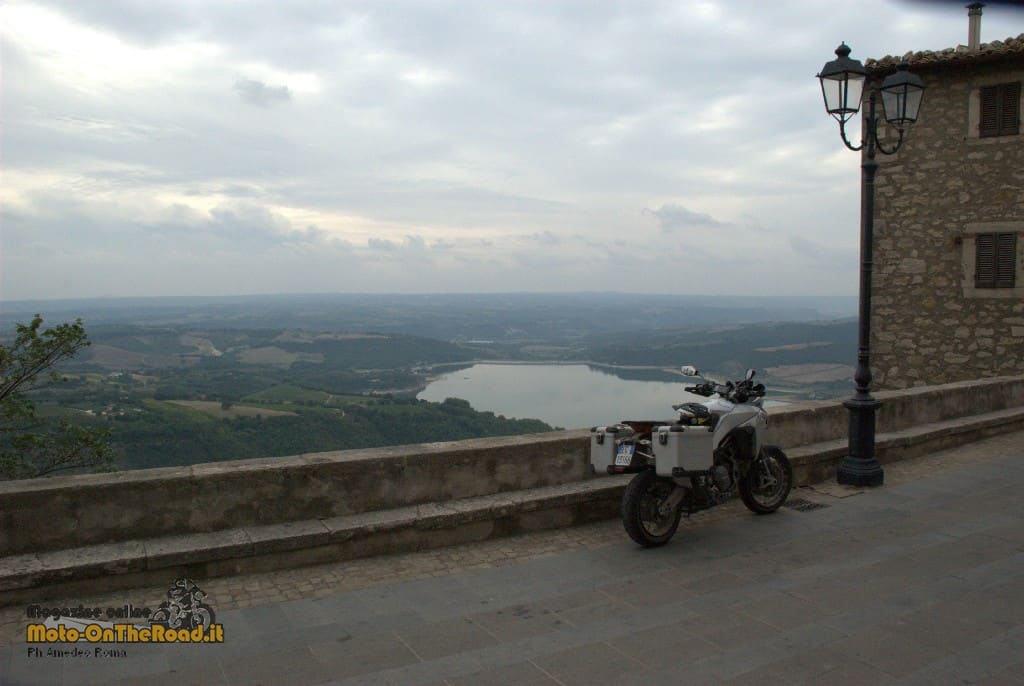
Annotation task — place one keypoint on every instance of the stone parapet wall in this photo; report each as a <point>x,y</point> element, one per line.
<point>929,323</point>
<point>39,515</point>
<point>827,420</point>
<point>68,511</point>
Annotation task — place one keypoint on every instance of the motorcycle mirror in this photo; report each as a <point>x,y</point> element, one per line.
<point>750,374</point>
<point>689,370</point>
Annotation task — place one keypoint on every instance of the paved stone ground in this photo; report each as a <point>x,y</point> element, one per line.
<point>919,582</point>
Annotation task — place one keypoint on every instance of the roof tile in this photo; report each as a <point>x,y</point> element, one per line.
<point>1011,48</point>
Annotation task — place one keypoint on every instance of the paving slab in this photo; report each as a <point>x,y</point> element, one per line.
<point>447,637</point>
<point>517,674</point>
<point>593,663</point>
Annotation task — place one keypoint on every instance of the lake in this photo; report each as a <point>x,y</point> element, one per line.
<point>571,396</point>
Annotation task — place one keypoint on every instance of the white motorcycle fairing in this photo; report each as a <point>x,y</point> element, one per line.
<point>736,416</point>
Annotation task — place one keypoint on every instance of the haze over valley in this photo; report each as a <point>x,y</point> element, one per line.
<point>187,380</point>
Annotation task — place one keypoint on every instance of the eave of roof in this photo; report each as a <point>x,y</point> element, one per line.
<point>1011,49</point>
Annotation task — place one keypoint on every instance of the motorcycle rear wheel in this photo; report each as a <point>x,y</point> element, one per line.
<point>640,510</point>
<point>766,486</point>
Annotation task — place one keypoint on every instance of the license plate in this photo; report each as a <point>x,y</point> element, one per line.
<point>624,456</point>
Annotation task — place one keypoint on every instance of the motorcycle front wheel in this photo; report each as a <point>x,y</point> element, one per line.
<point>643,513</point>
<point>766,486</point>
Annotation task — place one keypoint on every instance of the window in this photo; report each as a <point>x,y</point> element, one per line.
<point>1000,110</point>
<point>989,266</point>
<point>995,260</point>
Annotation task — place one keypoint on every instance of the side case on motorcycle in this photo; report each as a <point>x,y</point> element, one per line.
<point>690,448</point>
<point>602,448</point>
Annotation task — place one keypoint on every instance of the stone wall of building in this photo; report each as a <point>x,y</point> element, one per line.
<point>929,324</point>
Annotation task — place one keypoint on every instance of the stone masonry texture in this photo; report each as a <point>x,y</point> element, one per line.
<point>929,325</point>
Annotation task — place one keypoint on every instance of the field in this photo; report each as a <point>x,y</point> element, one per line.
<point>113,358</point>
<point>273,355</point>
<point>310,337</point>
<point>793,346</point>
<point>288,393</point>
<point>215,408</point>
<point>811,373</point>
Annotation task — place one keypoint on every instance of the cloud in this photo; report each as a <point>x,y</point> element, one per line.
<point>414,243</point>
<point>545,238</point>
<point>409,244</point>
<point>806,247</point>
<point>260,94</point>
<point>381,244</point>
<point>675,217</point>
<point>441,145</point>
<point>832,258</point>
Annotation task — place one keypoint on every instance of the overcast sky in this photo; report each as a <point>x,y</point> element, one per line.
<point>208,147</point>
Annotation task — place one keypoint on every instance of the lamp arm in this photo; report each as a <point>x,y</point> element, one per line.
<point>894,148</point>
<point>842,134</point>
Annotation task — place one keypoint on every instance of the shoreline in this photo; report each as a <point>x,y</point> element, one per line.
<point>785,392</point>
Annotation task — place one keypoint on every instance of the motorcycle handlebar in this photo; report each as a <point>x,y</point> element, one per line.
<point>704,389</point>
<point>742,390</point>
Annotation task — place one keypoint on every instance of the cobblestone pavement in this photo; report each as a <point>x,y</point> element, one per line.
<point>408,627</point>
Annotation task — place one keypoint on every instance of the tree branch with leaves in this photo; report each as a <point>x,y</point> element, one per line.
<point>29,446</point>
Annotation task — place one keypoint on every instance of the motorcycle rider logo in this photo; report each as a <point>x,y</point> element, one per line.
<point>184,608</point>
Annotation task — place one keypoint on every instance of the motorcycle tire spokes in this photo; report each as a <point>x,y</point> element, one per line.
<point>768,482</point>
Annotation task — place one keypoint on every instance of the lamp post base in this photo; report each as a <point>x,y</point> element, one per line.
<point>854,472</point>
<point>859,467</point>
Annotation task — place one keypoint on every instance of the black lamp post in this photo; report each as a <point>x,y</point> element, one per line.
<point>842,86</point>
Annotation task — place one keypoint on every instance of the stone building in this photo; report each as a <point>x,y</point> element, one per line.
<point>948,287</point>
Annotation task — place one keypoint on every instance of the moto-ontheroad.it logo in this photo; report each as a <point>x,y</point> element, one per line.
<point>184,617</point>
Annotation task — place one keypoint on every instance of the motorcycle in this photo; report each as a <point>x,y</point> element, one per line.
<point>712,451</point>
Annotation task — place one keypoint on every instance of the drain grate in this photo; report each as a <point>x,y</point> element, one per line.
<point>803,505</point>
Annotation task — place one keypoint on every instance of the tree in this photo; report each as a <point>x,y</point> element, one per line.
<point>31,446</point>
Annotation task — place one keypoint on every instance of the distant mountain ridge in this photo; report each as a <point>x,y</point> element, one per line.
<point>489,316</point>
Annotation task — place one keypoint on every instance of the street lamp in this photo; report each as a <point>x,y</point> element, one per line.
<point>842,86</point>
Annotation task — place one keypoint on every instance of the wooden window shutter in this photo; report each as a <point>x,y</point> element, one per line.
<point>989,122</point>
<point>995,262</point>
<point>1000,110</point>
<point>1009,109</point>
<point>985,261</point>
<point>1006,254</point>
